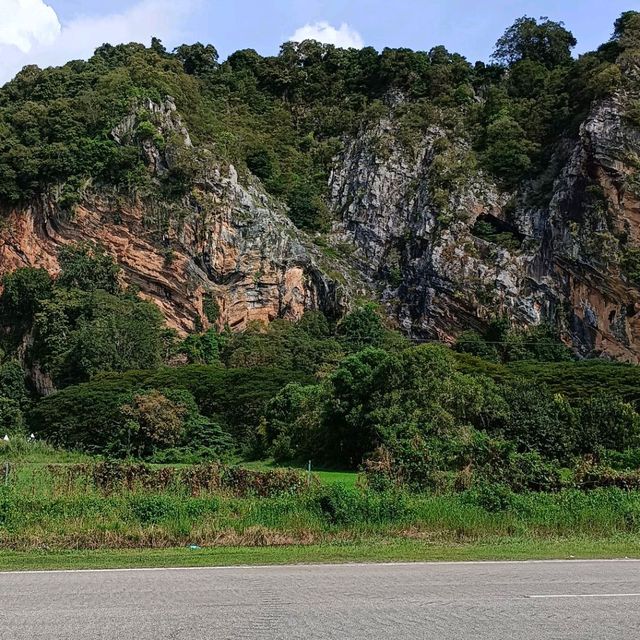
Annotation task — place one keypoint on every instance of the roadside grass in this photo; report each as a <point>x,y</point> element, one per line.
<point>391,550</point>
<point>61,516</point>
<point>42,507</point>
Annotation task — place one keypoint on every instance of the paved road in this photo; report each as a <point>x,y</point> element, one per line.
<point>554,600</point>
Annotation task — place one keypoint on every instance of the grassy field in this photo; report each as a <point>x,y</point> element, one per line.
<point>346,478</point>
<point>38,452</point>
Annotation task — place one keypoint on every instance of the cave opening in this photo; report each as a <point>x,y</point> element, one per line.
<point>492,229</point>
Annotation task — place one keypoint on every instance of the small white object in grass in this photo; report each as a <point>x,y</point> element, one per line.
<point>32,437</point>
<point>6,438</point>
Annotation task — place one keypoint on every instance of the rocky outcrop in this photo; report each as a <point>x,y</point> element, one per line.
<point>225,243</point>
<point>437,277</point>
<point>231,245</point>
<point>561,263</point>
<point>410,226</point>
<point>591,221</point>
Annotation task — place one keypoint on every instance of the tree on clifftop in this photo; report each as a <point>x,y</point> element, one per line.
<point>546,42</point>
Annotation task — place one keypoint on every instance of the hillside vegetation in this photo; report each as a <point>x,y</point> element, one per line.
<point>284,117</point>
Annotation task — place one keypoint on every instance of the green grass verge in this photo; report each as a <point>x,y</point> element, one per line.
<point>377,551</point>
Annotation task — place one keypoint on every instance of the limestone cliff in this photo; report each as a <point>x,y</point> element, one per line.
<point>412,217</point>
<point>438,275</point>
<point>225,242</point>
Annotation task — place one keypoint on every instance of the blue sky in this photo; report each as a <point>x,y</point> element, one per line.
<point>52,31</point>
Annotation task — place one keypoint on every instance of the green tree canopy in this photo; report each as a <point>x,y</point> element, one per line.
<point>88,267</point>
<point>543,41</point>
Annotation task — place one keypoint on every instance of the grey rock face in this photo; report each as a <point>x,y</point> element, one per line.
<point>418,243</point>
<point>434,274</point>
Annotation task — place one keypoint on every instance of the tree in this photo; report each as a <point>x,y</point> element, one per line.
<point>23,290</point>
<point>356,389</point>
<point>539,342</point>
<point>508,155</point>
<point>607,422</point>
<point>197,59</point>
<point>88,267</point>
<point>540,421</point>
<point>361,328</point>
<point>627,29</point>
<point>152,422</point>
<point>14,397</point>
<point>11,416</point>
<point>472,342</point>
<point>260,163</point>
<point>13,383</point>
<point>201,348</point>
<point>294,424</point>
<point>158,47</point>
<point>546,42</point>
<point>78,334</point>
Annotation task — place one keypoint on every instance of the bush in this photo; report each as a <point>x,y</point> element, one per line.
<point>523,472</point>
<point>342,506</point>
<point>589,476</point>
<point>490,497</point>
<point>112,477</point>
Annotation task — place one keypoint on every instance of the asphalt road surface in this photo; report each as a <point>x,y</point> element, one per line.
<point>555,600</point>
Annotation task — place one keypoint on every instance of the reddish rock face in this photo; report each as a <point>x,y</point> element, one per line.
<point>237,249</point>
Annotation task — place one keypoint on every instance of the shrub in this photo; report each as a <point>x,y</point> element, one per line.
<point>590,476</point>
<point>523,472</point>
<point>340,505</point>
<point>490,497</point>
<point>110,477</point>
<point>88,267</point>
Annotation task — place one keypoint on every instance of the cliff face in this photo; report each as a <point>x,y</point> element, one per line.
<point>561,264</point>
<point>436,277</point>
<point>236,250</point>
<point>592,220</point>
<point>415,217</point>
<point>225,243</point>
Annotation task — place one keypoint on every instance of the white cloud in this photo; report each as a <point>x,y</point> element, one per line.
<point>33,34</point>
<point>344,37</point>
<point>24,23</point>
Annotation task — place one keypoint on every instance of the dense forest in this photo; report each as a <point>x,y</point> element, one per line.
<point>88,364</point>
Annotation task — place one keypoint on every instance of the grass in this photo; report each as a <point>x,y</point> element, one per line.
<point>20,449</point>
<point>39,452</point>
<point>392,550</point>
<point>326,476</point>
<point>155,520</point>
<point>42,507</point>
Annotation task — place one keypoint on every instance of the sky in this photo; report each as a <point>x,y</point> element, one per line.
<point>51,32</point>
